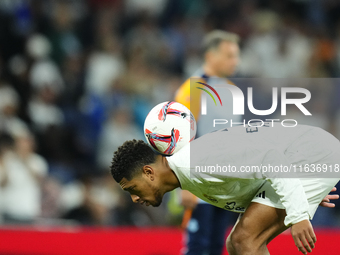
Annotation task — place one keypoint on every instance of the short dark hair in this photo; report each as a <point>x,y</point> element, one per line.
<point>213,39</point>
<point>129,158</point>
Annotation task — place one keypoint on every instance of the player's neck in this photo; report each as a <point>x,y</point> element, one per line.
<point>170,180</point>
<point>209,71</point>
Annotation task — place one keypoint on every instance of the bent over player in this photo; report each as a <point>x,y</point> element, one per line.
<point>270,202</point>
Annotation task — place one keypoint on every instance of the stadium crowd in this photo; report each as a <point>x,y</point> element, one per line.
<point>78,77</point>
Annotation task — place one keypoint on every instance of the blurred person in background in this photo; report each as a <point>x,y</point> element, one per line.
<point>118,127</point>
<point>89,201</point>
<point>47,84</point>
<point>9,104</point>
<point>275,49</point>
<point>208,224</point>
<point>6,145</point>
<point>25,170</point>
<point>104,66</point>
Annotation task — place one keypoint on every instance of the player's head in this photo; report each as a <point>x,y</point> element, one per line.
<point>221,52</point>
<point>136,168</point>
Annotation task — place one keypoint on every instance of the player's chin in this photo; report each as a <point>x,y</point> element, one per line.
<point>157,203</point>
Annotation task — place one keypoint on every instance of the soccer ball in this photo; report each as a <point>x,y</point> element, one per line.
<point>168,127</point>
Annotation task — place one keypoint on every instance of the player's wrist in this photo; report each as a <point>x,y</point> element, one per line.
<point>291,220</point>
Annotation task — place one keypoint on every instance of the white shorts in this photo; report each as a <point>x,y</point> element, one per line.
<point>315,189</point>
<point>315,147</point>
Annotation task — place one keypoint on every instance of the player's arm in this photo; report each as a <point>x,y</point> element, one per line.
<point>294,200</point>
<point>290,191</point>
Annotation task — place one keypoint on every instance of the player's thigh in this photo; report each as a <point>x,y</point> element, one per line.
<point>259,224</point>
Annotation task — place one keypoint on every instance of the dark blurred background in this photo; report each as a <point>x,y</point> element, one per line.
<point>78,77</point>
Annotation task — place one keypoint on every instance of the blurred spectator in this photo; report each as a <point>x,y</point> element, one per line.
<point>44,72</point>
<point>63,36</point>
<point>6,145</point>
<point>9,103</point>
<point>323,62</point>
<point>43,111</point>
<point>22,191</point>
<point>118,128</point>
<point>104,67</point>
<point>89,201</point>
<point>275,50</point>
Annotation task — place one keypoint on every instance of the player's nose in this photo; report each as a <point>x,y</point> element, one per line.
<point>135,198</point>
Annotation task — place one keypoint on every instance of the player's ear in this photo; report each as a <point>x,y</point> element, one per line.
<point>149,172</point>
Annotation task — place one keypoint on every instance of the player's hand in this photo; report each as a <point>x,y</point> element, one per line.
<point>189,201</point>
<point>303,235</point>
<point>326,201</point>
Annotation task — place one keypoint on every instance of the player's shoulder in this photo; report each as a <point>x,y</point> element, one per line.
<point>230,82</point>
<point>185,87</point>
<point>180,160</point>
<point>184,96</point>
